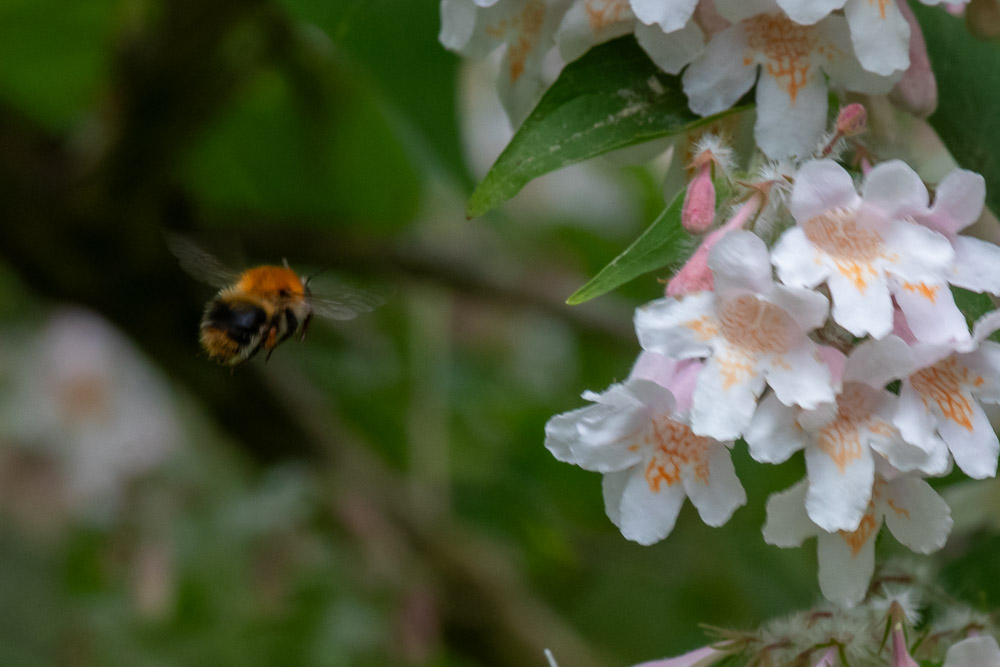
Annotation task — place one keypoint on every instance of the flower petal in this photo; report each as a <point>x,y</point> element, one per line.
<point>593,22</point>
<point>974,446</point>
<point>790,122</point>
<point>670,16</point>
<point>798,262</point>
<point>800,377</point>
<point>678,328</point>
<point>821,185</point>
<point>725,395</point>
<point>808,12</point>
<point>917,425</point>
<point>842,64</point>
<point>718,499</point>
<point>787,523</point>
<point>879,362</point>
<point>916,515</point>
<point>808,308</point>
<point>958,202</point>
<point>740,261</point>
<point>846,565</point>
<point>644,515</point>
<point>921,254</point>
<point>930,311</point>
<point>841,473</point>
<point>880,34</point>
<point>861,302</point>
<point>774,435</point>
<point>895,189</point>
<point>717,78</point>
<point>671,51</point>
<point>977,265</point>
<point>978,651</point>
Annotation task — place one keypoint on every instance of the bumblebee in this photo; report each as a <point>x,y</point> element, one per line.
<point>261,307</point>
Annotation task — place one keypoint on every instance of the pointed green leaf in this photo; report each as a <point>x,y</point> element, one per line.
<point>665,242</point>
<point>612,97</point>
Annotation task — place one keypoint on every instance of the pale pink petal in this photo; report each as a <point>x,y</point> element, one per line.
<point>718,499</point>
<point>774,435</point>
<point>931,312</point>
<point>862,307</point>
<point>840,483</point>
<point>821,185</point>
<point>655,368</point>
<point>977,265</point>
<point>973,442</point>
<point>671,51</point>
<point>612,488</point>
<point>678,328</point>
<point>880,34</point>
<point>790,122</point>
<point>916,92</point>
<point>717,78</point>
<point>702,657</point>
<point>670,16</point>
<point>787,523</point>
<point>808,308</point>
<point>958,202</point>
<point>808,12</point>
<point>917,425</point>
<point>597,437</point>
<point>895,188</point>
<point>800,377</point>
<point>646,511</point>
<point>798,262</point>
<point>978,651</point>
<point>740,261</point>
<point>846,565</point>
<point>916,515</point>
<point>725,395</point>
<point>985,363</point>
<point>879,362</point>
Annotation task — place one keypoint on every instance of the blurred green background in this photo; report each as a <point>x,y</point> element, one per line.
<point>379,494</point>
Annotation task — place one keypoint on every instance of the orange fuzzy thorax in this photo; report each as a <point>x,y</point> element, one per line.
<point>270,279</point>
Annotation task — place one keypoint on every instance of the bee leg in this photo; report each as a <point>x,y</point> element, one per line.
<point>305,327</point>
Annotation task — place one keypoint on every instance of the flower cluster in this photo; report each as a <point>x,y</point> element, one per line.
<point>795,50</point>
<point>842,340</point>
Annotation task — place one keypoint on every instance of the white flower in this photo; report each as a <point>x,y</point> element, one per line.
<point>665,30</point>
<point>650,458</point>
<point>939,403</point>
<point>794,62</point>
<point>475,28</point>
<point>752,330</point>
<point>867,253</point>
<point>978,651</point>
<point>843,442</point>
<point>914,513</point>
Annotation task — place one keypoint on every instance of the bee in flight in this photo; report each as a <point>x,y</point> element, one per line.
<point>261,307</point>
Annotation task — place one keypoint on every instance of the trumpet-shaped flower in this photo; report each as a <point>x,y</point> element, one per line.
<point>475,28</point>
<point>912,510</point>
<point>868,252</point>
<point>795,62</point>
<point>843,442</point>
<point>752,331</point>
<point>634,434</point>
<point>939,403</point>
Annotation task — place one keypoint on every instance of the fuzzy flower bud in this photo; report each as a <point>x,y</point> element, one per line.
<point>698,212</point>
<point>852,120</point>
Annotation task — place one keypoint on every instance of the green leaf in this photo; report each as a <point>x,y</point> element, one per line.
<point>664,242</point>
<point>968,78</point>
<point>612,97</point>
<point>972,305</point>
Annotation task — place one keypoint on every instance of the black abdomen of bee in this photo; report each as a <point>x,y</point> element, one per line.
<point>240,321</point>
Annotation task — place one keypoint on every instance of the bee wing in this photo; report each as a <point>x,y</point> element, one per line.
<point>199,263</point>
<point>344,303</point>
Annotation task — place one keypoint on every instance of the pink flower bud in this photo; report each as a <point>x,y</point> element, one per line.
<point>852,120</point>
<point>698,212</point>
<point>900,654</point>
<point>916,92</point>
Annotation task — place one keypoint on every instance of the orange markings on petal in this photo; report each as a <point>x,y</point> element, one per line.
<point>523,31</point>
<point>901,511</point>
<point>841,439</point>
<point>943,385</point>
<point>675,445</point>
<point>787,47</point>
<point>882,5</point>
<point>704,327</point>
<point>929,292</point>
<point>602,13</point>
<point>857,538</point>
<point>756,326</point>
